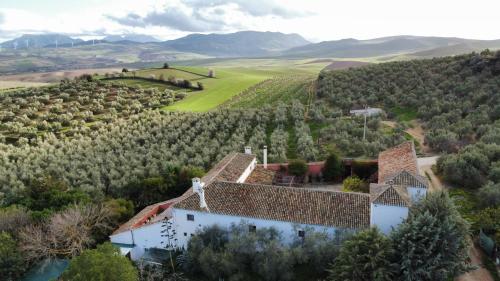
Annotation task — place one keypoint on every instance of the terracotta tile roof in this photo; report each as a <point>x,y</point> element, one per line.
<point>405,178</point>
<point>148,215</point>
<point>394,160</point>
<point>230,168</point>
<point>391,195</point>
<point>296,205</point>
<point>261,175</point>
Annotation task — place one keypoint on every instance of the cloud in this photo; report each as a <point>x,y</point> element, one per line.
<point>205,16</point>
<point>256,8</point>
<point>2,18</point>
<point>174,18</point>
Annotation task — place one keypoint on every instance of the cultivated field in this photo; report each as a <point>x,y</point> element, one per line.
<point>7,85</point>
<point>56,76</point>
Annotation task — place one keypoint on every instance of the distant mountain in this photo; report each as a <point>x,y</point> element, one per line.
<point>39,41</point>
<point>391,46</point>
<point>139,38</point>
<point>239,44</point>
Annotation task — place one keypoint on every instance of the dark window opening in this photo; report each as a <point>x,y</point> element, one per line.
<point>190,217</point>
<point>252,228</point>
<point>302,233</point>
<point>185,234</point>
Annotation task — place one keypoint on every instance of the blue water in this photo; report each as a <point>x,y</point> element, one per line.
<point>46,270</point>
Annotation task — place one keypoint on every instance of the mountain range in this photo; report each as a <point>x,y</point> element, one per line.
<point>417,46</point>
<point>39,54</point>
<point>271,44</point>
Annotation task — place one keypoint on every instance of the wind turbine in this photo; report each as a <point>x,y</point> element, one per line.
<point>56,44</point>
<point>15,45</point>
<point>71,43</point>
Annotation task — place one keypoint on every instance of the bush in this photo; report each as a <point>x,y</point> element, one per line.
<point>297,167</point>
<point>333,167</point>
<point>239,254</point>
<point>355,184</point>
<point>166,66</point>
<point>365,256</point>
<point>102,264</point>
<point>489,195</point>
<point>11,260</point>
<point>125,70</point>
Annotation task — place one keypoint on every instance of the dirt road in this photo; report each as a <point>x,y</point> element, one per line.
<point>479,274</point>
<point>425,166</point>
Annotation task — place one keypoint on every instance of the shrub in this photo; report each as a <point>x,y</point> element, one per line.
<point>365,256</point>
<point>11,260</point>
<point>489,195</point>
<point>102,264</point>
<point>355,184</point>
<point>166,66</point>
<point>333,167</point>
<point>297,167</point>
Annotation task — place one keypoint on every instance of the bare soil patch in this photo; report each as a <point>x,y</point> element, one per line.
<point>56,76</point>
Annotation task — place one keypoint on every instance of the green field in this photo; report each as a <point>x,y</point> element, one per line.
<point>145,84</point>
<point>283,88</point>
<point>231,81</point>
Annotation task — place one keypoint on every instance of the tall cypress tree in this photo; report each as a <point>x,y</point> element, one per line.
<point>432,244</point>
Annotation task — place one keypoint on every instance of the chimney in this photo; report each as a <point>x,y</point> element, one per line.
<point>264,158</point>
<point>198,188</point>
<point>248,150</point>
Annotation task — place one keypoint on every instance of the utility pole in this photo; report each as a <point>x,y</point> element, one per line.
<point>364,128</point>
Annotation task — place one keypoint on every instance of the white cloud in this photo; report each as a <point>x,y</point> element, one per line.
<point>314,19</point>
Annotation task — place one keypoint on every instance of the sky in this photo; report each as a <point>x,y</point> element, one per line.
<point>315,20</point>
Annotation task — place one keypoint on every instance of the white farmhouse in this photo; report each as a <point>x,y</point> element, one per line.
<point>228,195</point>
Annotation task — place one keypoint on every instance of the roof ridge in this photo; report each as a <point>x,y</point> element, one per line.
<point>223,167</point>
<point>294,188</point>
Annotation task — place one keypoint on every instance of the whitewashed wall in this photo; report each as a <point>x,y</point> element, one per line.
<point>247,172</point>
<point>187,228</point>
<point>145,237</point>
<point>416,193</point>
<point>387,217</point>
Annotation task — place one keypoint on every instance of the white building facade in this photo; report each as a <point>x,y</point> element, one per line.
<point>222,197</point>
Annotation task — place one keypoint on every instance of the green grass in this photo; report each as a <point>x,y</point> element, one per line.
<point>145,84</point>
<point>404,114</point>
<point>228,83</point>
<point>190,73</point>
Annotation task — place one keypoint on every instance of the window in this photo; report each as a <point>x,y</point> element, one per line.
<point>192,234</point>
<point>252,228</point>
<point>185,234</point>
<point>190,217</point>
<point>301,233</point>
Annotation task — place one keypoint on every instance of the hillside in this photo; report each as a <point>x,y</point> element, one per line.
<point>138,38</point>
<point>391,46</point>
<point>39,41</point>
<point>457,101</point>
<point>239,44</point>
